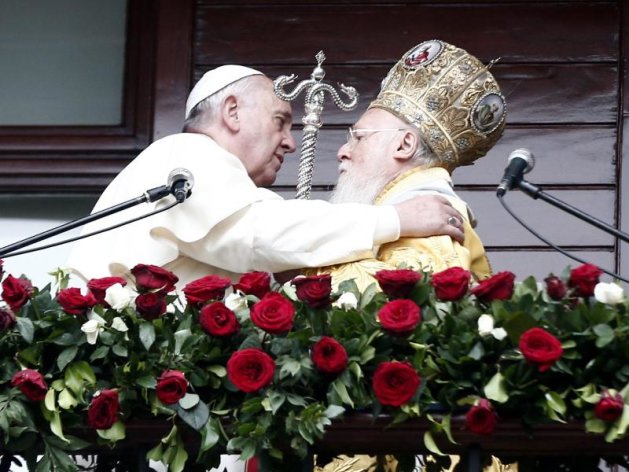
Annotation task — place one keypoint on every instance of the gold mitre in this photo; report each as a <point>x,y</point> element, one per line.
<point>450,96</point>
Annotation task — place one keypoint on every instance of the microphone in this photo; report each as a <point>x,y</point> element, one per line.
<point>520,162</point>
<point>180,182</point>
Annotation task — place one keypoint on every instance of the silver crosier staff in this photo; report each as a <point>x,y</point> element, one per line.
<point>315,91</point>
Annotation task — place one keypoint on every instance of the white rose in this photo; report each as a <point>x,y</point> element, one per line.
<point>236,301</point>
<point>608,293</point>
<point>485,324</point>
<point>119,325</point>
<point>92,329</point>
<point>347,301</point>
<point>118,297</point>
<point>499,333</point>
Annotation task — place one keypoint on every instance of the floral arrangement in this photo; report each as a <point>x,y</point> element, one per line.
<point>259,369</point>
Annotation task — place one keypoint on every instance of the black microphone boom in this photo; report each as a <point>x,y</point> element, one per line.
<point>180,181</point>
<point>520,162</point>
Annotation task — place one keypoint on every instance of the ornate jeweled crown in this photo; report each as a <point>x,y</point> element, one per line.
<point>450,96</point>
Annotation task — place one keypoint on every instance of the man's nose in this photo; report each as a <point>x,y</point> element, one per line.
<point>343,152</point>
<point>288,142</point>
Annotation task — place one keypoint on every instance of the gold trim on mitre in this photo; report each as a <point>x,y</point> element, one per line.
<point>450,97</point>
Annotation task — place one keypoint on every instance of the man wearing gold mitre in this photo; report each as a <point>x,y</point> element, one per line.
<point>438,108</point>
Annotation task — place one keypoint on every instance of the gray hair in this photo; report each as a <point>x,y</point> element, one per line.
<point>207,110</point>
<point>423,156</point>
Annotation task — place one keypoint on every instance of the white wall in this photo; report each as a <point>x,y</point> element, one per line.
<point>22,216</point>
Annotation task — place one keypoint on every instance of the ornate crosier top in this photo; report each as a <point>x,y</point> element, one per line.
<point>315,93</point>
<point>252,367</point>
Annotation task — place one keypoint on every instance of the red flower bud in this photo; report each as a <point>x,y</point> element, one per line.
<point>171,386</point>
<point>31,383</point>
<point>610,406</point>
<point>481,418</point>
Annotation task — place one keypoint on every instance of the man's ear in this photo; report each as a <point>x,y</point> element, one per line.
<point>229,113</point>
<point>407,146</point>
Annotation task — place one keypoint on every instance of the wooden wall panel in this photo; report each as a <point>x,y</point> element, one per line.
<point>586,93</point>
<point>517,32</point>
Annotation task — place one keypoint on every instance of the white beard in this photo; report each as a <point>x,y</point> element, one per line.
<point>352,189</point>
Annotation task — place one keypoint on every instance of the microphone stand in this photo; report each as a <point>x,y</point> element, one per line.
<point>537,193</point>
<point>147,197</point>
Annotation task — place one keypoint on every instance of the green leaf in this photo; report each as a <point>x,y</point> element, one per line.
<point>218,370</point>
<point>25,328</point>
<point>55,426</point>
<point>115,433</point>
<point>196,416</point>
<point>181,456</point>
<point>147,381</point>
<point>155,454</point>
<point>66,356</point>
<point>180,338</point>
<point>277,400</point>
<point>496,389</point>
<point>189,400</point>
<point>555,402</point>
<point>49,400</point>
<point>147,334</point>
<point>334,411</point>
<point>341,391</point>
<point>66,399</point>
<point>77,375</point>
<point>120,350</point>
<point>100,353</point>
<point>209,436</point>
<point>431,445</point>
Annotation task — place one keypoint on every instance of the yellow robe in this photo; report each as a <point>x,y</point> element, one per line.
<point>431,254</point>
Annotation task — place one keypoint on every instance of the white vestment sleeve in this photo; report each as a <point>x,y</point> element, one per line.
<point>278,235</point>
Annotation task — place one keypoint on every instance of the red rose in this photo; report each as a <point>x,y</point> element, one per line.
<point>16,291</point>
<point>254,283</point>
<point>397,283</point>
<point>274,314</point>
<point>481,418</point>
<point>610,406</point>
<point>329,356</point>
<point>218,320</point>
<point>314,290</point>
<point>103,410</point>
<point>31,383</point>
<point>99,287</point>
<point>498,287</point>
<point>73,302</point>
<point>7,319</point>
<point>250,369</point>
<point>540,347</point>
<point>584,278</point>
<point>210,287</point>
<point>555,287</point>
<point>395,383</point>
<point>171,386</point>
<point>151,277</point>
<point>451,284</point>
<point>399,317</point>
<point>150,305</point>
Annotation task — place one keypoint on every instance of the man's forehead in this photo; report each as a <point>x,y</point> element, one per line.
<point>373,118</point>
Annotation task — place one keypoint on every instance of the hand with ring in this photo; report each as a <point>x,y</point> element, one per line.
<point>429,215</point>
<point>454,221</point>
